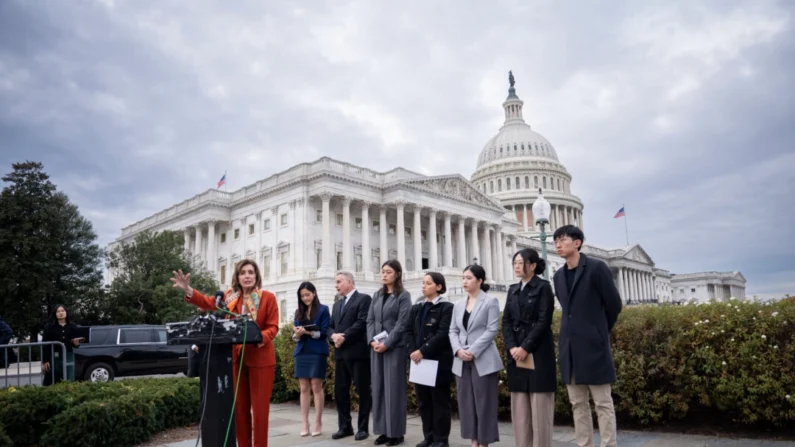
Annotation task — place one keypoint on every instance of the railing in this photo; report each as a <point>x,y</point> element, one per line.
<point>4,354</point>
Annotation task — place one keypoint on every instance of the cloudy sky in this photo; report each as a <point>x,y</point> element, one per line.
<point>682,111</point>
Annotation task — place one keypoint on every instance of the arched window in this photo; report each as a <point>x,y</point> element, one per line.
<point>514,148</point>
<point>499,185</point>
<point>500,149</point>
<point>508,183</point>
<point>559,189</point>
<point>527,182</point>
<point>544,180</point>
<point>535,182</point>
<point>491,185</point>
<point>522,147</point>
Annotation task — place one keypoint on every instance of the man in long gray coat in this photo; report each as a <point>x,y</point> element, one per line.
<point>591,304</point>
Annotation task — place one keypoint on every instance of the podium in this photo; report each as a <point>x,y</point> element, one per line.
<point>215,336</point>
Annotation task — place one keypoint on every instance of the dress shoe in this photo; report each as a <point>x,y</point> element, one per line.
<point>439,444</point>
<point>381,440</point>
<point>342,434</point>
<point>395,441</point>
<point>362,435</point>
<point>425,443</point>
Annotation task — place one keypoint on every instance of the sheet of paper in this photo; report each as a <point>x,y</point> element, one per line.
<point>379,338</point>
<point>423,373</point>
<point>527,363</point>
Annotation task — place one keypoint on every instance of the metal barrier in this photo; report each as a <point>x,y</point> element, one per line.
<point>4,349</point>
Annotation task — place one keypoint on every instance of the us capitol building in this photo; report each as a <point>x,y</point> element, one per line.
<point>309,221</point>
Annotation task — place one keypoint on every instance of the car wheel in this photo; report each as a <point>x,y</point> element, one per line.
<point>99,372</point>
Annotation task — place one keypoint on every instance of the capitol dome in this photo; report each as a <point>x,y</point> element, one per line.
<point>517,163</point>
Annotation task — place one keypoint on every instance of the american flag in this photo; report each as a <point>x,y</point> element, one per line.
<point>620,213</point>
<point>222,182</point>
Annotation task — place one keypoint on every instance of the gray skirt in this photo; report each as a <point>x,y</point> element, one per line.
<point>477,405</point>
<point>390,392</point>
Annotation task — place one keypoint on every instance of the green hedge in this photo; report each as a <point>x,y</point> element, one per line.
<point>670,365</point>
<point>122,413</point>
<point>5,441</point>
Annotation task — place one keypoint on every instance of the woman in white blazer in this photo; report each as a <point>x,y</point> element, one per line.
<point>477,361</point>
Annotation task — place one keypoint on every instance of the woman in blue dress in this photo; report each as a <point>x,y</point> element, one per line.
<point>311,352</point>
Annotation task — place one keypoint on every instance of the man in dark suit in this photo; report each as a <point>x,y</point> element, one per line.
<point>348,333</point>
<point>591,304</point>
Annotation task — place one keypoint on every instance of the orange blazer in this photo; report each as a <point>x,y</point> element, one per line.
<point>267,320</point>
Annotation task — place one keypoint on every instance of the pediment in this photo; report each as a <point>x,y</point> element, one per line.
<point>455,187</point>
<point>638,254</point>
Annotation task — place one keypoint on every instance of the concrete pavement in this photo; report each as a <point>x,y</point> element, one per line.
<point>285,426</point>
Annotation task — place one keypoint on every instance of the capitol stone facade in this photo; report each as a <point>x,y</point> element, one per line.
<point>316,218</point>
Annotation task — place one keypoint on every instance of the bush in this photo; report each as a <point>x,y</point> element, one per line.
<point>717,363</point>
<point>5,441</point>
<point>84,413</point>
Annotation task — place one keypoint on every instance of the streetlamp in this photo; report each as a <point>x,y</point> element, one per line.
<point>475,261</point>
<point>541,210</point>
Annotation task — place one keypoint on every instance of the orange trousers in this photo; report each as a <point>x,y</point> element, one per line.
<point>253,398</point>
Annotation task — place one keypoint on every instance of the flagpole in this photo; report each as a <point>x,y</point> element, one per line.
<point>626,231</point>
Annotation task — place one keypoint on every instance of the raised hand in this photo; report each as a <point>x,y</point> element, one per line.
<point>182,281</point>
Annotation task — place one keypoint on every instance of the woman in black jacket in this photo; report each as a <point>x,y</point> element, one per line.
<point>59,328</point>
<point>427,337</point>
<point>527,330</point>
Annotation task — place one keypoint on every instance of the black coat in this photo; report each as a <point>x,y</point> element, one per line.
<point>527,323</point>
<point>434,335</point>
<point>589,314</point>
<point>56,332</point>
<point>352,323</point>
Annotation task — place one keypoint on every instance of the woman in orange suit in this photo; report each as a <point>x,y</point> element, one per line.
<point>259,362</point>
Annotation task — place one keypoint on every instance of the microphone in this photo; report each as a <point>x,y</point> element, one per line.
<point>219,298</point>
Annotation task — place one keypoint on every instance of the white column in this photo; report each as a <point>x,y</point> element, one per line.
<point>186,249</point>
<point>621,285</point>
<point>513,249</point>
<point>275,224</point>
<point>347,246</point>
<point>367,263</point>
<point>258,229</point>
<point>383,246</point>
<point>299,221</point>
<point>197,253</point>
<point>417,234</point>
<point>649,289</point>
<point>328,249</point>
<point>524,219</point>
<point>448,241</point>
<point>635,285</point>
<point>401,234</point>
<point>462,246</point>
<point>211,249</point>
<point>500,270</point>
<point>433,252</point>
<point>475,244</point>
<point>487,253</point>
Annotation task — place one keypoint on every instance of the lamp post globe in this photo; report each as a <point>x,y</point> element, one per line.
<point>541,211</point>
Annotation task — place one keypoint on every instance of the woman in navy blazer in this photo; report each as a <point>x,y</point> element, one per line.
<point>311,351</point>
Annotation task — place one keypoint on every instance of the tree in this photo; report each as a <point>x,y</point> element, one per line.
<point>48,253</point>
<point>141,292</point>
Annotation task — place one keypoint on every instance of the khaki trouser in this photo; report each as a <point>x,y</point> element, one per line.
<point>532,417</point>
<point>583,421</point>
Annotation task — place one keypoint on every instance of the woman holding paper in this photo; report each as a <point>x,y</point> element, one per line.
<point>428,339</point>
<point>477,361</point>
<point>527,331</point>
<point>311,353</point>
<point>386,327</point>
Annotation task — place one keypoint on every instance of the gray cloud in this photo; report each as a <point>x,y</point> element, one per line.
<point>681,112</point>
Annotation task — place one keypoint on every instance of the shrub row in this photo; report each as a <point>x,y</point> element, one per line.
<point>717,363</point>
<point>121,413</point>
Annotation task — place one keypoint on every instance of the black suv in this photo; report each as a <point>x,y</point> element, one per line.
<point>131,350</point>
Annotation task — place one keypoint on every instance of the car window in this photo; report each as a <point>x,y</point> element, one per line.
<point>99,336</point>
<point>161,335</point>
<point>135,336</point>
